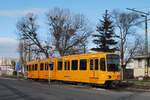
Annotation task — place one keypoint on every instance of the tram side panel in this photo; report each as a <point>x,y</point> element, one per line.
<point>86,69</point>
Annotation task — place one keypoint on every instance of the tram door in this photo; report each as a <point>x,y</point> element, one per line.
<point>67,70</point>
<point>52,70</point>
<point>94,69</point>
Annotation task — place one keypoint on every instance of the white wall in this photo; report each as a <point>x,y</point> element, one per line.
<point>7,70</point>
<point>139,68</point>
<point>130,65</point>
<point>139,72</point>
<point>5,66</point>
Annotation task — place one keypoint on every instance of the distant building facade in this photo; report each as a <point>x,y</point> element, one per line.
<point>6,67</point>
<point>138,65</point>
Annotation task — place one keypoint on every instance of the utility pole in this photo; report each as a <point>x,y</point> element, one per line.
<point>145,15</point>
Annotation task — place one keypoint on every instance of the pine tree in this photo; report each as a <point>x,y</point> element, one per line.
<point>104,39</point>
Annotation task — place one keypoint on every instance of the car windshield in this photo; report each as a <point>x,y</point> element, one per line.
<point>113,62</point>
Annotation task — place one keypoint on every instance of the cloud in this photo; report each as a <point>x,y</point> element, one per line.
<point>8,47</point>
<point>7,40</point>
<point>17,13</point>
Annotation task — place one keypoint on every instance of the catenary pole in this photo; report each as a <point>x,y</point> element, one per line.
<point>145,15</point>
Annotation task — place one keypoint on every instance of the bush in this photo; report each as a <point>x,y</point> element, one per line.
<point>15,73</point>
<point>146,78</point>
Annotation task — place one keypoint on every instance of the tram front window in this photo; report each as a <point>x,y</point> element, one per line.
<point>113,62</point>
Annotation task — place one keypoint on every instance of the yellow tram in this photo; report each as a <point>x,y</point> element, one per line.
<point>95,68</point>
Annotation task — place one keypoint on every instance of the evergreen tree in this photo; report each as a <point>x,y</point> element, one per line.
<point>104,39</point>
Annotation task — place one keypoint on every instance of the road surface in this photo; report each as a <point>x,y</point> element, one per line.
<point>13,89</point>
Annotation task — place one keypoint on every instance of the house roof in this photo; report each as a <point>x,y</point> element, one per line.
<point>141,57</point>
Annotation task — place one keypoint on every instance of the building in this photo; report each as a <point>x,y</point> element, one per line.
<point>139,66</point>
<point>6,67</point>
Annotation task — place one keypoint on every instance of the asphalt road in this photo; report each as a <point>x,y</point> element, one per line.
<point>13,89</point>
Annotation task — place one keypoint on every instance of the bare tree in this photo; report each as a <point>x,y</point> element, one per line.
<point>22,52</point>
<point>126,24</point>
<point>133,49</point>
<point>69,31</point>
<point>13,64</point>
<point>28,31</point>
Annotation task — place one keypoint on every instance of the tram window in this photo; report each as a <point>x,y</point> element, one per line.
<point>74,65</point>
<point>91,64</point>
<point>27,67</point>
<point>59,65</point>
<point>68,65</point>
<point>46,67</point>
<point>35,66</point>
<point>30,68</point>
<point>51,66</point>
<point>65,65</point>
<point>96,64</point>
<point>41,66</point>
<point>83,64</point>
<point>102,64</point>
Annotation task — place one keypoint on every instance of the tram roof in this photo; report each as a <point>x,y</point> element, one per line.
<point>75,55</point>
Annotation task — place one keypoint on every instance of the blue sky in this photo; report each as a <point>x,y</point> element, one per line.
<point>12,10</point>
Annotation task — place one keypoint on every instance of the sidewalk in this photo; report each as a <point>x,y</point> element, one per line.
<point>136,85</point>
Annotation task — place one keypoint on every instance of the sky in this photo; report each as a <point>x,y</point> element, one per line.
<point>12,10</point>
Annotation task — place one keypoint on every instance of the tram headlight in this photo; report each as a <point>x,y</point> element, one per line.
<point>109,77</point>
